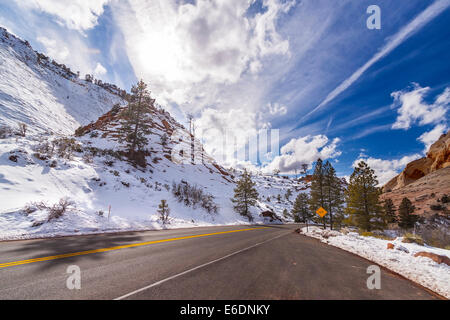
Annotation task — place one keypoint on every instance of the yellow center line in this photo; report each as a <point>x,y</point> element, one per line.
<point>68,255</point>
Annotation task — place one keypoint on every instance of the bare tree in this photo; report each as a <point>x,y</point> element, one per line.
<point>22,129</point>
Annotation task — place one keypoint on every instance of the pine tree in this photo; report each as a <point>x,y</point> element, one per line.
<point>285,213</point>
<point>389,212</point>
<point>245,195</point>
<point>164,211</point>
<point>301,211</point>
<point>334,196</point>
<point>363,202</point>
<point>318,190</point>
<point>288,194</point>
<point>137,121</point>
<point>406,217</point>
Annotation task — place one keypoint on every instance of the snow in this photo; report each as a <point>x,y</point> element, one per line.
<point>401,260</point>
<point>53,102</point>
<point>36,93</point>
<point>95,186</point>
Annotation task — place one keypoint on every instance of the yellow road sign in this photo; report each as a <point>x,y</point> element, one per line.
<point>321,212</point>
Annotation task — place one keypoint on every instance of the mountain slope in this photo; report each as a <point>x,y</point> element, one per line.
<point>91,168</point>
<point>438,157</point>
<point>424,181</point>
<point>43,94</point>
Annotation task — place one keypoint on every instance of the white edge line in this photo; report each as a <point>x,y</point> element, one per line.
<point>196,268</point>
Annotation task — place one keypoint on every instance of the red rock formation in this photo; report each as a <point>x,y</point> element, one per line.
<point>438,157</point>
<point>424,181</point>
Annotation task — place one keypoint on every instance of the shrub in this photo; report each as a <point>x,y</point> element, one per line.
<point>54,211</point>
<point>66,147</point>
<point>194,196</point>
<point>115,109</point>
<point>411,238</point>
<point>115,173</point>
<point>43,150</point>
<point>5,132</point>
<point>109,163</point>
<point>436,207</point>
<point>369,234</point>
<point>22,129</point>
<point>164,212</point>
<point>445,199</point>
<point>29,209</point>
<point>79,132</point>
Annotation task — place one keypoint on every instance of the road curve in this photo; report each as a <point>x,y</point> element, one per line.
<point>227,262</point>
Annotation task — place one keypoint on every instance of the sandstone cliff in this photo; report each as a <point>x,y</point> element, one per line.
<point>424,181</point>
<point>438,157</point>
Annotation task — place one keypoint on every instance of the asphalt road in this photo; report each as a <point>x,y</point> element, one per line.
<point>261,263</point>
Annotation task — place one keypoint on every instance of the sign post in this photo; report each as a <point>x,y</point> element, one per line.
<point>321,212</point>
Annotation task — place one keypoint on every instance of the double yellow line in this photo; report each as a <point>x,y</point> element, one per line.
<point>134,245</point>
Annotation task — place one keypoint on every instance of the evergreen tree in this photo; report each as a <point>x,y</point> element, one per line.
<point>164,211</point>
<point>389,212</point>
<point>137,120</point>
<point>285,213</point>
<point>245,195</point>
<point>363,203</point>
<point>333,193</point>
<point>406,217</point>
<point>318,189</point>
<point>301,211</point>
<point>288,194</point>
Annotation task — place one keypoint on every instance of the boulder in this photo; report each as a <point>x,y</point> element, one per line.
<point>436,258</point>
<point>390,246</point>
<point>271,215</point>
<point>402,248</point>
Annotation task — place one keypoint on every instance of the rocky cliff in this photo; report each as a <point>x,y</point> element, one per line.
<point>425,181</point>
<point>438,157</point>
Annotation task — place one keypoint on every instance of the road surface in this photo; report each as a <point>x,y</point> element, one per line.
<point>232,262</point>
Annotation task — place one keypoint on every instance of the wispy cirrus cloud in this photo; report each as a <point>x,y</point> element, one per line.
<point>411,28</point>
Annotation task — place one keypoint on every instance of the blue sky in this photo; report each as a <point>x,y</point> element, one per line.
<point>311,69</point>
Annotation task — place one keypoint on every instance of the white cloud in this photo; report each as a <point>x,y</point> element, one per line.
<point>304,150</point>
<point>224,132</point>
<point>415,25</point>
<point>187,50</point>
<point>99,70</point>
<point>387,169</point>
<point>55,49</point>
<point>75,14</point>
<point>430,137</point>
<point>72,51</point>
<point>413,108</point>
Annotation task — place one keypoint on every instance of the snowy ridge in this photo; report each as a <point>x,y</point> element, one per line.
<point>43,94</point>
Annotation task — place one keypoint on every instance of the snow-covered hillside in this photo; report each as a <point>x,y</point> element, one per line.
<point>96,177</point>
<point>51,163</point>
<point>43,94</point>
